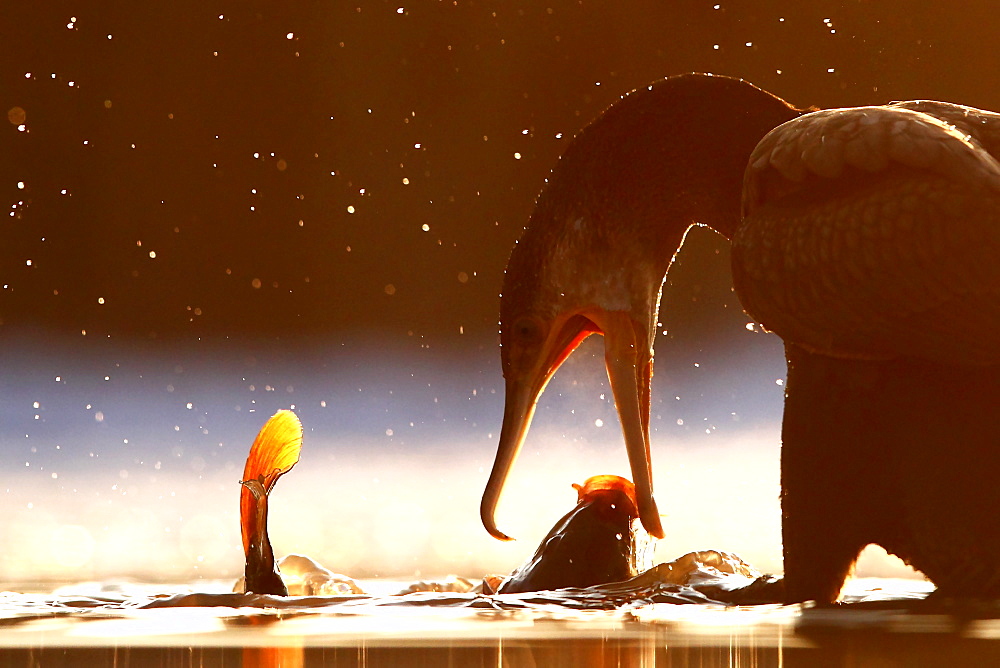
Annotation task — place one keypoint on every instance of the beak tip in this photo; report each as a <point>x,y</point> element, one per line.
<point>649,515</point>
<point>656,531</point>
<point>491,528</point>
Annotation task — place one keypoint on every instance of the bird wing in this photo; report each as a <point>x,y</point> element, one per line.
<point>874,232</point>
<point>980,125</point>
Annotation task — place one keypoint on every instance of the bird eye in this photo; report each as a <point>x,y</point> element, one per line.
<point>527,330</point>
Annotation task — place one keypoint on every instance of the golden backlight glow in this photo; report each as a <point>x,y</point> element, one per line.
<point>273,453</point>
<point>599,483</point>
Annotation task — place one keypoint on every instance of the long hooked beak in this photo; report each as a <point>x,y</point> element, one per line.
<point>518,409</point>
<point>523,387</point>
<point>630,369</point>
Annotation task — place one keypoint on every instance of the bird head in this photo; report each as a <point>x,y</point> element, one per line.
<point>554,297</point>
<point>603,233</point>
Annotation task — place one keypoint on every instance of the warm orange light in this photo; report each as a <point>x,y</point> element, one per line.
<point>273,453</point>
<point>600,483</point>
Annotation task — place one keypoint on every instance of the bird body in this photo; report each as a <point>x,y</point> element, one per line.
<point>901,453</point>
<point>866,238</point>
<point>867,234</point>
<point>867,243</point>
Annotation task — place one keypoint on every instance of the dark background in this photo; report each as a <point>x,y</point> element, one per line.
<point>212,210</point>
<point>334,98</point>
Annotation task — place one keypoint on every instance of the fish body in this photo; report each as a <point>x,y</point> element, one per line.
<point>592,544</point>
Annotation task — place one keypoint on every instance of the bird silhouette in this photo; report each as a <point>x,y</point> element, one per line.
<point>866,238</point>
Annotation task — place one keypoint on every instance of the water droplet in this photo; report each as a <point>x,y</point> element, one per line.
<point>17,115</point>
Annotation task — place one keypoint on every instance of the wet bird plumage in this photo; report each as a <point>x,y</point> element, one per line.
<point>867,240</point>
<point>906,204</point>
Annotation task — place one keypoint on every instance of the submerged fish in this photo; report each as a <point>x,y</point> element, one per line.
<point>273,453</point>
<point>595,543</point>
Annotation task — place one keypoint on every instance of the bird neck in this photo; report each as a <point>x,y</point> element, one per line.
<point>627,189</point>
<point>663,158</point>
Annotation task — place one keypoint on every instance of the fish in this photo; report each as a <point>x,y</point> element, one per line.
<point>595,543</point>
<point>274,452</point>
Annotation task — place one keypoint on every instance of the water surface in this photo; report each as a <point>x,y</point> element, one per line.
<point>885,622</point>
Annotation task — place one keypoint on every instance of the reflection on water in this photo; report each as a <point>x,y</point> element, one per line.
<point>146,625</point>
